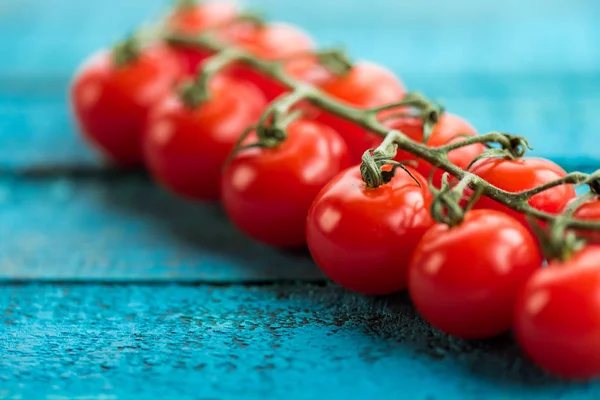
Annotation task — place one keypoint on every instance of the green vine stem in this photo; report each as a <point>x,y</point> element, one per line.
<point>393,139</point>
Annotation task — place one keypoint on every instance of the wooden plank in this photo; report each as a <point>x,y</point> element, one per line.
<point>36,129</point>
<point>294,342</point>
<point>424,36</point>
<point>499,79</point>
<point>123,228</point>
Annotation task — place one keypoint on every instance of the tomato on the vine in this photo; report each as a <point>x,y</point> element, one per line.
<point>449,129</point>
<point>111,102</point>
<point>193,19</point>
<point>273,41</point>
<point>366,85</point>
<point>362,238</point>
<point>589,211</point>
<point>465,279</point>
<point>557,316</point>
<point>267,192</point>
<point>185,148</point>
<point>520,175</point>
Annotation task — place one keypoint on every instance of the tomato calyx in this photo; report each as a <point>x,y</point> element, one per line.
<point>378,167</point>
<point>512,147</point>
<point>126,51</point>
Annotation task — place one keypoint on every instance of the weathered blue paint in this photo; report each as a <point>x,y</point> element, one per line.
<point>295,342</point>
<point>517,67</point>
<point>125,228</point>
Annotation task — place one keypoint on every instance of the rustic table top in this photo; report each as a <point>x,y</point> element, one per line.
<point>112,288</point>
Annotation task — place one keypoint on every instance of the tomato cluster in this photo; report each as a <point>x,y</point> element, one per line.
<point>475,279</point>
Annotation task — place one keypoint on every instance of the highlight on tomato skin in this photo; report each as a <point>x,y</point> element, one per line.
<point>366,85</point>
<point>185,149</point>
<point>111,103</point>
<point>464,280</point>
<point>449,129</point>
<point>520,175</point>
<point>557,316</point>
<point>363,238</point>
<point>267,192</point>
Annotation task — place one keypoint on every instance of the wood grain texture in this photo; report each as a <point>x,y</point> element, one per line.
<point>122,227</point>
<point>274,341</point>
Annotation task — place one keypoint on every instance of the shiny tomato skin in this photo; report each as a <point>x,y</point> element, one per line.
<point>363,238</point>
<point>111,103</point>
<point>193,20</point>
<point>557,316</point>
<point>272,42</point>
<point>589,211</point>
<point>366,85</point>
<point>267,192</point>
<point>185,149</point>
<point>449,129</point>
<point>520,175</point>
<point>465,280</point>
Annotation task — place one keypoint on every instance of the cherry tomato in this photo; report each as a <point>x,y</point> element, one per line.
<point>272,42</point>
<point>449,129</point>
<point>366,85</point>
<point>196,19</point>
<point>589,211</point>
<point>464,280</point>
<point>362,238</point>
<point>267,192</point>
<point>557,316</point>
<point>520,175</point>
<point>111,102</point>
<point>185,149</point>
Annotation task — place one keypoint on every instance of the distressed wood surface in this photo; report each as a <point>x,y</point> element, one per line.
<point>119,227</point>
<point>233,327</point>
<point>270,341</point>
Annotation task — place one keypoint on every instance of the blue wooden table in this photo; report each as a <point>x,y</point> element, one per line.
<point>111,288</point>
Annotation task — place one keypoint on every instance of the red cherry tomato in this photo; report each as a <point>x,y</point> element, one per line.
<point>267,192</point>
<point>465,280</point>
<point>520,175</point>
<point>589,211</point>
<point>185,148</point>
<point>272,42</point>
<point>449,129</point>
<point>363,238</point>
<point>366,85</point>
<point>557,316</point>
<point>195,19</point>
<point>111,102</point>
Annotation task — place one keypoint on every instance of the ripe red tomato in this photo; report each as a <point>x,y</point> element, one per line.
<point>111,102</point>
<point>362,238</point>
<point>465,280</point>
<point>447,130</point>
<point>557,316</point>
<point>366,85</point>
<point>520,175</point>
<point>196,19</point>
<point>267,192</point>
<point>272,42</point>
<point>185,148</point>
<point>589,211</point>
